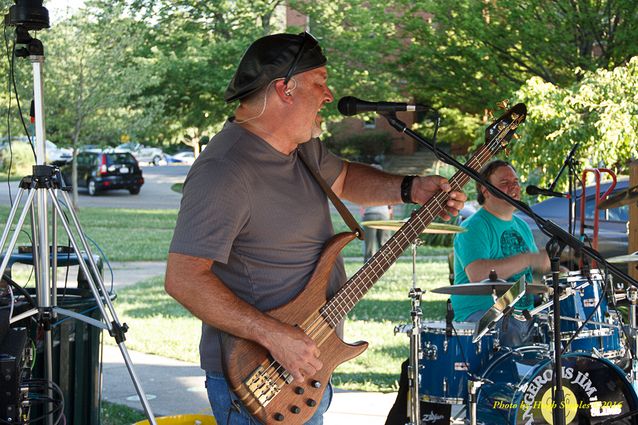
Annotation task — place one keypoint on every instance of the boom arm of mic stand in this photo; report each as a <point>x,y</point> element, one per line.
<point>567,161</point>
<point>546,226</point>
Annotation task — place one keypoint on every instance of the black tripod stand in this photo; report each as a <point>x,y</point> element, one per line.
<point>42,187</point>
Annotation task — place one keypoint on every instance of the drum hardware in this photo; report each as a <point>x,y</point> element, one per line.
<point>632,297</point>
<point>472,388</point>
<point>502,307</point>
<point>489,288</point>
<point>430,351</point>
<point>416,354</point>
<point>594,332</point>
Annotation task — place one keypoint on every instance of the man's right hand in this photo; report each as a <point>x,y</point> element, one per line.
<point>294,350</point>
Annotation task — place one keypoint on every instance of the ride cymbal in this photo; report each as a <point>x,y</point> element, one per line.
<point>624,258</point>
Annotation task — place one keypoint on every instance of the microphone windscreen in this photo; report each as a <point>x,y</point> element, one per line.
<point>531,190</point>
<point>347,105</point>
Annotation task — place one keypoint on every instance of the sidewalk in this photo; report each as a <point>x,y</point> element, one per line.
<point>174,387</point>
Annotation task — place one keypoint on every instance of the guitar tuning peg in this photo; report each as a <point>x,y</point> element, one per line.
<point>503,104</point>
<point>505,150</point>
<point>516,136</point>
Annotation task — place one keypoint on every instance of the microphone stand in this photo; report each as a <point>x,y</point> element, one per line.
<point>559,238</point>
<point>569,162</point>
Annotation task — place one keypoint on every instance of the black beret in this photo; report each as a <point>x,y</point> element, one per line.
<point>269,58</point>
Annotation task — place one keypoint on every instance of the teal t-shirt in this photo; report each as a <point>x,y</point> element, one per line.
<point>488,237</point>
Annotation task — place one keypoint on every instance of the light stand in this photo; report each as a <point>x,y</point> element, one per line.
<point>41,187</point>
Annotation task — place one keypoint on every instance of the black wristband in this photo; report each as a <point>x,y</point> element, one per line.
<point>406,189</point>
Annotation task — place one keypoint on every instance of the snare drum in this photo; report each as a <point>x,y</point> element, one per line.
<point>518,389</point>
<point>448,361</point>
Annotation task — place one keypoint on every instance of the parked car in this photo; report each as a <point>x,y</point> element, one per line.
<point>187,158</point>
<point>106,170</point>
<point>613,233</point>
<point>54,154</point>
<point>142,153</point>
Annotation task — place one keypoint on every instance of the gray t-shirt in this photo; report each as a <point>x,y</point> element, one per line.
<point>260,216</point>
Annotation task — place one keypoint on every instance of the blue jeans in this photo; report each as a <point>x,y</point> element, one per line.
<point>228,410</point>
<point>512,333</point>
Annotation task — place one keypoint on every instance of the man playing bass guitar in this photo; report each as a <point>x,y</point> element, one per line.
<point>253,221</point>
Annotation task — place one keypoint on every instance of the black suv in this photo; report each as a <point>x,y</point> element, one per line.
<point>102,170</point>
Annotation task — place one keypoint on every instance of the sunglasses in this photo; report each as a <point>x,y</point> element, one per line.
<point>307,43</point>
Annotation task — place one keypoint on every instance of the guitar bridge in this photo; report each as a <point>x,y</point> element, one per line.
<point>262,383</point>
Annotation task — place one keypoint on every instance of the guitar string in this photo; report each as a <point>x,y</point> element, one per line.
<point>418,218</point>
<point>321,330</point>
<point>463,179</point>
<point>457,182</point>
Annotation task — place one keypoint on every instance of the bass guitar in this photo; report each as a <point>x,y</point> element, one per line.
<point>264,387</point>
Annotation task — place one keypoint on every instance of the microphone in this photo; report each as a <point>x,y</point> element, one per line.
<point>449,317</point>
<point>351,106</point>
<point>535,190</point>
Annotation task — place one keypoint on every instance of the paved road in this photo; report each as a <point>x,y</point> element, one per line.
<point>155,194</point>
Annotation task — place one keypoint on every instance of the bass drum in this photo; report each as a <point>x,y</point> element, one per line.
<point>518,390</point>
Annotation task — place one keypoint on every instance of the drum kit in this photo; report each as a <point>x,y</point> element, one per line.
<point>488,383</point>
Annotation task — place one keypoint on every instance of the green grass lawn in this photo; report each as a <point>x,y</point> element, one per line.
<point>117,414</point>
<point>144,235</point>
<point>122,234</point>
<point>160,326</point>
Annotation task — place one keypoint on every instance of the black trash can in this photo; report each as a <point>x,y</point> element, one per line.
<point>76,359</point>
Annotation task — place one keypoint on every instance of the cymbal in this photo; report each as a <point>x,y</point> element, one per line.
<point>486,288</point>
<point>621,198</point>
<point>397,224</point>
<point>624,258</point>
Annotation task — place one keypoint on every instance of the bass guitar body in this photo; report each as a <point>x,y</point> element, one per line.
<point>267,390</point>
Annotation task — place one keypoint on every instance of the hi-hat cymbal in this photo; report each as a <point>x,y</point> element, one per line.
<point>397,224</point>
<point>621,198</point>
<point>486,288</point>
<point>624,258</point>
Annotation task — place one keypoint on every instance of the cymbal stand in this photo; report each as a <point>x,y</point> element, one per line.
<point>42,187</point>
<point>632,297</point>
<point>473,386</point>
<point>416,354</point>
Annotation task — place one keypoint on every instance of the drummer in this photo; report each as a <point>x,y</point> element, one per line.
<point>497,240</point>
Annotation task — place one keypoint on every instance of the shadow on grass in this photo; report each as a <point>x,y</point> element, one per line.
<point>148,299</point>
<point>395,351</point>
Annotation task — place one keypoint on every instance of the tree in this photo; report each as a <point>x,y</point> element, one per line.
<point>478,52</point>
<point>93,78</point>
<point>600,112</point>
<point>465,55</point>
<point>196,47</point>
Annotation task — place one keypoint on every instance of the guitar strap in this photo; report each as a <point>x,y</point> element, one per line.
<point>343,210</point>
